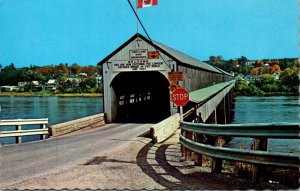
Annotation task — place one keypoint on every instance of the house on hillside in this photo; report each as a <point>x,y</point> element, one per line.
<point>72,82</point>
<point>35,86</point>
<point>276,75</point>
<point>98,81</point>
<point>248,77</point>
<point>51,84</point>
<point>83,74</point>
<point>9,88</point>
<point>250,64</point>
<point>22,85</point>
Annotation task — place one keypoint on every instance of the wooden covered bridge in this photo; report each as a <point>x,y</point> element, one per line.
<point>135,81</point>
<point>137,89</point>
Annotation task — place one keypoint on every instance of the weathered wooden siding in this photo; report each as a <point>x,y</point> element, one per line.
<point>195,79</point>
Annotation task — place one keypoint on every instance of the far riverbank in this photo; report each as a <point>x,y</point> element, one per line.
<point>45,94</point>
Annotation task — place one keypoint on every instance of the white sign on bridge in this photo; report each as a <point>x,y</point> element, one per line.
<point>138,54</point>
<point>138,65</point>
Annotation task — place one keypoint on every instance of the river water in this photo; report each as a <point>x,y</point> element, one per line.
<point>267,110</point>
<point>57,109</point>
<point>62,109</point>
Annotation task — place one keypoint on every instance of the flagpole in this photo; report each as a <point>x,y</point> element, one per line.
<point>140,22</point>
<point>137,22</point>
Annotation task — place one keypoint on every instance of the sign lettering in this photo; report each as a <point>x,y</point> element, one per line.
<point>175,76</point>
<point>138,54</point>
<point>137,65</point>
<point>180,97</point>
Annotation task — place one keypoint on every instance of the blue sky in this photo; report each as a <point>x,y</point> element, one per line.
<point>46,32</point>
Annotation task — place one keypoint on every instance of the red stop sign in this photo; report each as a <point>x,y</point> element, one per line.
<point>180,97</point>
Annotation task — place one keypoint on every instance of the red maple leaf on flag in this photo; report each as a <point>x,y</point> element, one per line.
<point>146,3</point>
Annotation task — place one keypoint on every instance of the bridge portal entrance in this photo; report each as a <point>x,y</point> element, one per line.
<point>135,80</point>
<point>141,97</point>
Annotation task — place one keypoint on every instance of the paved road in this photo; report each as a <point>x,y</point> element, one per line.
<point>29,159</point>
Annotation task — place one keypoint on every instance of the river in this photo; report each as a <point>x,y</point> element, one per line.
<point>57,109</point>
<point>267,110</point>
<point>62,109</point>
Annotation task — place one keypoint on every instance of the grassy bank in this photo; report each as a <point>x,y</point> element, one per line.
<point>42,94</point>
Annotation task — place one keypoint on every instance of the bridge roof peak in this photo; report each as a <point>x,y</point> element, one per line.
<point>180,57</point>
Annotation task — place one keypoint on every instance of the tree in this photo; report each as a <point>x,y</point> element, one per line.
<point>274,68</point>
<point>9,75</point>
<point>290,77</point>
<point>60,73</point>
<point>215,60</point>
<point>99,69</point>
<point>89,70</point>
<point>267,79</point>
<point>259,63</point>
<point>256,71</point>
<point>242,61</point>
<point>75,69</point>
<point>273,62</point>
<point>231,65</point>
<point>46,71</point>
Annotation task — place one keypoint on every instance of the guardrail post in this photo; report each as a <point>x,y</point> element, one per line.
<point>185,152</point>
<point>188,152</point>
<point>183,149</point>
<point>198,157</point>
<point>19,138</point>
<point>43,126</point>
<point>259,144</point>
<point>217,162</point>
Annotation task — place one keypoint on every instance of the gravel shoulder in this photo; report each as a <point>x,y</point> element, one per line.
<point>137,165</point>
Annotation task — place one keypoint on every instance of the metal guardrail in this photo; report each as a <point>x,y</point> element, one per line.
<point>18,133</point>
<point>255,130</point>
<point>259,131</point>
<point>249,156</point>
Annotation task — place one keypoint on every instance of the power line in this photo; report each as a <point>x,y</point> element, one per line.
<point>148,34</point>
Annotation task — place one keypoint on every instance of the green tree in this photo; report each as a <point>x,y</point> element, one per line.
<point>242,61</point>
<point>267,79</point>
<point>290,77</point>
<point>9,75</point>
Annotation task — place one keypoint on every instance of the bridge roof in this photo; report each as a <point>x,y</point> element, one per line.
<point>179,57</point>
<point>184,59</point>
<point>203,94</point>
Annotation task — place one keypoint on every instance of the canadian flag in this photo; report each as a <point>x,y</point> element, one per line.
<point>146,3</point>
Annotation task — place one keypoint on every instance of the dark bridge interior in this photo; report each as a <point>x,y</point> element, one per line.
<point>142,97</point>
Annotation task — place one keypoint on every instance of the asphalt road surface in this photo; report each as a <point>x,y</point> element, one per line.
<point>18,162</point>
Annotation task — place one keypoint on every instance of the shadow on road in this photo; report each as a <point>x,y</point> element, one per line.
<point>102,159</point>
<point>154,160</point>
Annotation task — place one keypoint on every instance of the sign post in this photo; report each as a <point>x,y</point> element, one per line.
<point>180,97</point>
<point>181,113</point>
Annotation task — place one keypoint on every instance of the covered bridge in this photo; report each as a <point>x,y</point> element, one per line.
<point>135,80</point>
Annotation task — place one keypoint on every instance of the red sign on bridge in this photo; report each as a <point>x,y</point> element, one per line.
<point>180,97</point>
